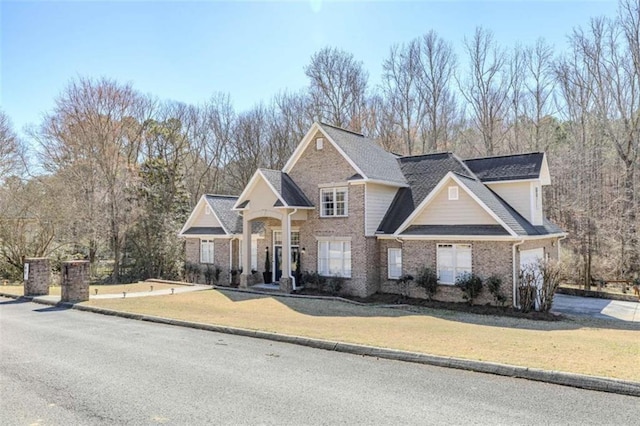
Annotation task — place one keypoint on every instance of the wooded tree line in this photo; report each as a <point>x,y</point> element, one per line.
<point>114,173</point>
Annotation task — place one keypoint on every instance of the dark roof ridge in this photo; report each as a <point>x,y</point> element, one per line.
<point>504,155</point>
<point>342,129</point>
<point>463,164</point>
<point>471,176</point>
<point>221,195</point>
<point>425,155</point>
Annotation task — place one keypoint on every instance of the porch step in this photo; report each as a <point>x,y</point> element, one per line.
<point>272,288</point>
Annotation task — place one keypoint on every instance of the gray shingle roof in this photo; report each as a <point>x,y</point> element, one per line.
<point>371,159</point>
<point>423,173</point>
<point>290,193</point>
<point>507,167</point>
<point>513,219</point>
<point>222,205</point>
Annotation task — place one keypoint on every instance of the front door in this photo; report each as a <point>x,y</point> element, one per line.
<point>295,250</point>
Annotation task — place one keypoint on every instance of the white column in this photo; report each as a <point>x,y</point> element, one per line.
<point>286,245</point>
<point>246,255</point>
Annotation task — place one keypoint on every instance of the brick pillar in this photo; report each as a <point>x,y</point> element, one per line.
<point>75,281</point>
<point>37,276</point>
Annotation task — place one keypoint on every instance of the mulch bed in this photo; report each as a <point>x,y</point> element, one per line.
<point>396,299</point>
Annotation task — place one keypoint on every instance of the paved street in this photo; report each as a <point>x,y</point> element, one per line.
<point>61,366</point>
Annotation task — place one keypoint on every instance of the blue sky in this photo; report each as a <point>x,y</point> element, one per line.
<point>186,51</point>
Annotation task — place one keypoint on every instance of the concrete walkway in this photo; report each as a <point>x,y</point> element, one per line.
<point>597,308</point>
<point>176,290</point>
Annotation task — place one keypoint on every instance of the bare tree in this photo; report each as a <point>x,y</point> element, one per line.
<point>486,88</point>
<point>436,66</point>
<point>11,149</point>
<point>94,136</point>
<point>400,88</point>
<point>338,85</point>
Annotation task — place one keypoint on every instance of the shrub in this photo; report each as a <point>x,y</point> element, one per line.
<point>313,279</point>
<point>191,271</point>
<point>212,274</point>
<point>529,278</point>
<point>404,282</point>
<point>428,280</point>
<point>494,285</point>
<point>471,286</point>
<point>333,285</point>
<point>552,274</point>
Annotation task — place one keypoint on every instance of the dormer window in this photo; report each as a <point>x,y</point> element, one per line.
<point>453,193</point>
<point>333,202</point>
<point>537,190</point>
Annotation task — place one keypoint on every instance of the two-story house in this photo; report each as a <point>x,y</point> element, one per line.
<point>343,206</point>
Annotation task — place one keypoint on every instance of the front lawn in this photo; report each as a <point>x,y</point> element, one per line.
<point>579,345</point>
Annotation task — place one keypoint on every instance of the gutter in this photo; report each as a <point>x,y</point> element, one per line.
<point>515,274</point>
<point>231,258</point>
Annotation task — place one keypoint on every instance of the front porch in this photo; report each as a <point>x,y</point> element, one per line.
<point>273,198</point>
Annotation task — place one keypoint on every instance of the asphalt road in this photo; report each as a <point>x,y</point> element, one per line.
<point>65,367</point>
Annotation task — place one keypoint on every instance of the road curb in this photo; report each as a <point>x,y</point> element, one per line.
<point>596,383</point>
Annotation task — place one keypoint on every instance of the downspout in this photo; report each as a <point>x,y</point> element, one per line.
<point>231,259</point>
<point>515,271</point>
<point>293,279</point>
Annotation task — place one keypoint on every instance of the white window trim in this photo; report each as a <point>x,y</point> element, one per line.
<point>389,274</point>
<point>455,258</point>
<point>211,258</point>
<point>336,240</point>
<point>453,193</point>
<point>335,190</point>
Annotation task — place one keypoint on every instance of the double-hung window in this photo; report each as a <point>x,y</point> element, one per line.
<point>454,260</point>
<point>334,258</point>
<point>206,251</point>
<point>394,259</point>
<point>333,202</point>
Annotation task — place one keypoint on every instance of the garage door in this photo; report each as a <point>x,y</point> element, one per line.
<point>531,257</point>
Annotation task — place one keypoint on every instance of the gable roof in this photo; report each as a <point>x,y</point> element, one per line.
<point>288,194</point>
<point>508,167</point>
<point>423,173</point>
<point>370,161</point>
<point>222,208</point>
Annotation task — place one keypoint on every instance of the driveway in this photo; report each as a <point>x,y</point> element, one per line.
<point>597,308</point>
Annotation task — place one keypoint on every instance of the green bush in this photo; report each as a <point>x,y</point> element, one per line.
<point>428,280</point>
<point>192,271</point>
<point>212,274</point>
<point>471,286</point>
<point>333,285</point>
<point>494,285</point>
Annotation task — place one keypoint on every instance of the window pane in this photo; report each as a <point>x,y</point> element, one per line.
<point>445,257</point>
<point>463,258</point>
<point>395,262</point>
<point>277,237</point>
<point>445,276</point>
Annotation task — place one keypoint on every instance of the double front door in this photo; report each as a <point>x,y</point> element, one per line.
<point>295,258</point>
<point>277,250</point>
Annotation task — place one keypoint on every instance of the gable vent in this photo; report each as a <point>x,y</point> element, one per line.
<point>319,144</point>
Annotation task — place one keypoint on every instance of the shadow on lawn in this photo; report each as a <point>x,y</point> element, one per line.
<point>486,317</point>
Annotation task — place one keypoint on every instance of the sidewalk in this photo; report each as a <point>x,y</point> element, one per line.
<point>176,290</point>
